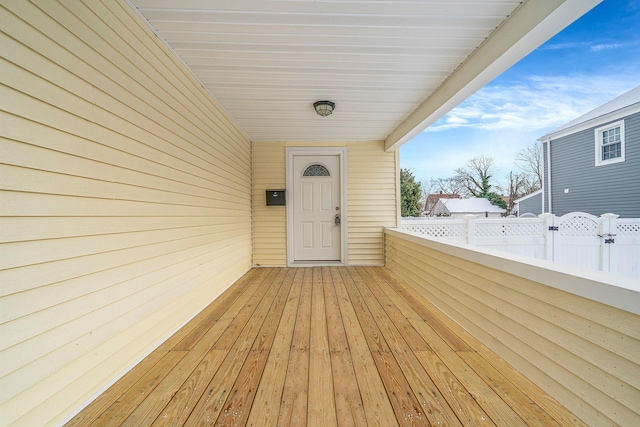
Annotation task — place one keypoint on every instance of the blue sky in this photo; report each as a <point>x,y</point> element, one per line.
<point>589,63</point>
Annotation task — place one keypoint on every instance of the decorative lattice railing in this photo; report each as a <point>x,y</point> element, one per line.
<point>607,242</point>
<point>628,227</point>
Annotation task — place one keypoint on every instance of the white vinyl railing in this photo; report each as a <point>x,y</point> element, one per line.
<point>607,243</point>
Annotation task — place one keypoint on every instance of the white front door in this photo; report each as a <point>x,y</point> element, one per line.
<point>317,213</point>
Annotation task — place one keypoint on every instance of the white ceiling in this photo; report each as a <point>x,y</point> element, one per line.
<point>268,61</point>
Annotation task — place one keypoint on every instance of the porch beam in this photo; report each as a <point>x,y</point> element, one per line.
<point>533,23</point>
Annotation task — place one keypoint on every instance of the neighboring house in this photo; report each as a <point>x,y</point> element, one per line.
<point>461,207</point>
<point>146,146</point>
<point>531,203</point>
<point>507,202</point>
<point>433,198</point>
<point>592,164</point>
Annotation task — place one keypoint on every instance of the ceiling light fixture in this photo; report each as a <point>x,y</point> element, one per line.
<point>324,108</point>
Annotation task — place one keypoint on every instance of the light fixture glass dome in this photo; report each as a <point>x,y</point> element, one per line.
<point>324,108</point>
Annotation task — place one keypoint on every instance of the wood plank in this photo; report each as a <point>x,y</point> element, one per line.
<point>377,407</point>
<point>463,404</point>
<point>509,382</point>
<point>128,401</point>
<point>436,319</point>
<point>187,337</point>
<point>239,321</point>
<point>181,405</point>
<point>508,392</point>
<point>457,380</point>
<point>389,310</point>
<point>113,393</point>
<point>284,345</point>
<point>435,408</point>
<point>211,404</point>
<point>187,396</point>
<point>500,412</point>
<point>443,341</point>
<point>164,394</point>
<point>238,405</point>
<point>407,409</point>
<point>489,402</point>
<point>158,400</point>
<point>349,407</point>
<point>293,411</point>
<point>321,409</point>
<point>266,404</point>
<point>267,333</point>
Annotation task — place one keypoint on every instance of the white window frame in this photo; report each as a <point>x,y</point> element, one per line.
<point>598,137</point>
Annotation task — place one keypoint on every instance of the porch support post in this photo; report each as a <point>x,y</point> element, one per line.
<point>608,230</point>
<point>471,229</point>
<point>549,220</point>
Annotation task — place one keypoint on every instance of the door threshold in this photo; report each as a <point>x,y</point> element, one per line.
<point>316,264</point>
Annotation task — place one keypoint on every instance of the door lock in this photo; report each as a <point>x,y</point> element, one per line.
<point>337,220</point>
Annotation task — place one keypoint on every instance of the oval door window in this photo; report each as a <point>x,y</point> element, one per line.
<point>316,170</point>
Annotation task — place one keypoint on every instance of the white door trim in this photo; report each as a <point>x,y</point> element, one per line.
<point>341,152</point>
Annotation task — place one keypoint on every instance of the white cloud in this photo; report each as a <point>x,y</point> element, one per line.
<point>456,120</point>
<point>500,120</point>
<point>557,46</point>
<point>605,46</point>
<point>539,103</point>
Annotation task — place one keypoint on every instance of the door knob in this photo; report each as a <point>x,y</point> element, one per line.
<point>337,220</point>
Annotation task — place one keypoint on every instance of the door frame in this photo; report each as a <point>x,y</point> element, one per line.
<point>341,152</point>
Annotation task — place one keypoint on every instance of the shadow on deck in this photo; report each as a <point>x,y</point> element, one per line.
<point>323,347</point>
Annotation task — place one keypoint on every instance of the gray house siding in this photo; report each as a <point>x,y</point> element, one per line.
<point>609,188</point>
<point>531,205</point>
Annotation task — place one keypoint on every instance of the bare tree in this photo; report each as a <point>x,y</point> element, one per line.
<point>530,161</point>
<point>476,176</point>
<point>518,185</point>
<point>451,185</point>
<point>427,188</point>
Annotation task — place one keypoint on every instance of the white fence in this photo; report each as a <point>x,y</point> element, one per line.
<point>606,243</point>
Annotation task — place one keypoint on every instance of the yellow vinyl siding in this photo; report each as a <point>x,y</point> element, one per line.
<point>584,353</point>
<point>372,200</point>
<point>125,195</point>
<point>269,222</point>
<point>371,189</point>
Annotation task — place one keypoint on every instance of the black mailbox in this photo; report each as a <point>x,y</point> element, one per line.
<point>275,198</point>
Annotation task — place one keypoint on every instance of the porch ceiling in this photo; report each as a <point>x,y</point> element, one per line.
<point>384,63</point>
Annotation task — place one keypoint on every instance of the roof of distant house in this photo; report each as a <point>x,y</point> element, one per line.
<point>474,205</point>
<point>625,100</point>
<point>436,196</point>
<point>445,195</point>
<point>528,196</point>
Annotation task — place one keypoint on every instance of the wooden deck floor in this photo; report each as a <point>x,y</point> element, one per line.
<point>330,346</point>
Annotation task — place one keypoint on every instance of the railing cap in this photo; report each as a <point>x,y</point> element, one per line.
<point>609,216</point>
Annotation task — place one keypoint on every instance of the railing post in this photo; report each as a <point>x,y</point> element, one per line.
<point>549,222</point>
<point>471,229</point>
<point>608,230</point>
